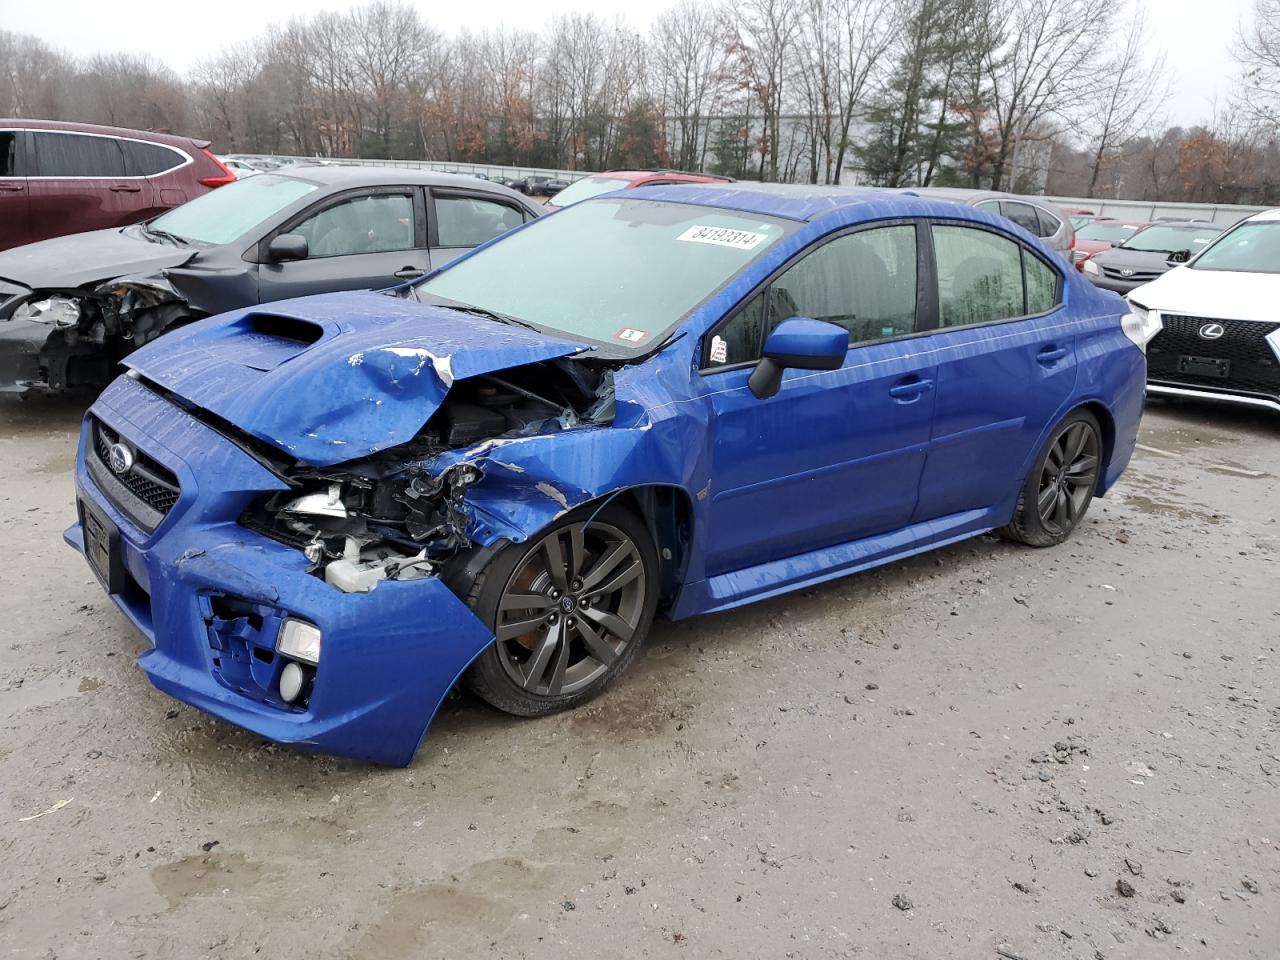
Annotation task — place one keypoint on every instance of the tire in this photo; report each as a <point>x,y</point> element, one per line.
<point>561,640</point>
<point>1055,496</point>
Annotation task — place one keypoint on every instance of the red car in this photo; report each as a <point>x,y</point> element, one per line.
<point>610,180</point>
<point>59,178</point>
<point>1101,233</point>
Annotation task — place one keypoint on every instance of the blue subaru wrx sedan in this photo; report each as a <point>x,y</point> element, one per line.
<point>325,512</point>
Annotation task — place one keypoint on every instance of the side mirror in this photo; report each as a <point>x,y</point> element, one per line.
<point>288,246</point>
<point>799,344</point>
<point>1179,256</point>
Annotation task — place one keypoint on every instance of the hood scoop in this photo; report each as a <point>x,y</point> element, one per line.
<point>336,377</point>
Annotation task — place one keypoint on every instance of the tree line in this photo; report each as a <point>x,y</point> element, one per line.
<point>1059,96</point>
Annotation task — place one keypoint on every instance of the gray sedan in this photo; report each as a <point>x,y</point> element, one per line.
<point>72,306</point>
<point>1148,253</point>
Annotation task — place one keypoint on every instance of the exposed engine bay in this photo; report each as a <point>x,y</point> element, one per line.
<point>398,514</point>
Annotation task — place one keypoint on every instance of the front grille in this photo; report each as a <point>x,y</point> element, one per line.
<point>1254,369</point>
<point>146,491</point>
<point>1137,276</point>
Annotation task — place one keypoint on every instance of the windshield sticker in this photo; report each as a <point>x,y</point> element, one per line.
<point>723,237</point>
<point>631,336</point>
<point>1198,240</point>
<point>719,350</point>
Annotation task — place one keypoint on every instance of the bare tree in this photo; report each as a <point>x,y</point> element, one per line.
<point>1132,88</point>
<point>1258,50</point>
<point>689,60</point>
<point>763,32</point>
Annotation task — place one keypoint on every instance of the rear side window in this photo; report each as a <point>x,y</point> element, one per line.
<point>8,153</point>
<point>470,221</point>
<point>981,278</point>
<point>1049,224</point>
<point>78,155</point>
<point>1023,214</point>
<point>149,159</point>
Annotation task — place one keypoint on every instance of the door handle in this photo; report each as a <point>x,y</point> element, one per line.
<point>1051,355</point>
<point>408,273</point>
<point>124,188</point>
<point>908,390</point>
<point>12,187</point>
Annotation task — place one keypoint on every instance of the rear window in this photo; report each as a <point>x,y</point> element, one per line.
<point>148,159</point>
<point>77,155</point>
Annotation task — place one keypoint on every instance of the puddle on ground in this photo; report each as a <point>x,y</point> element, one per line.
<point>1154,507</point>
<point>205,875</point>
<point>87,684</point>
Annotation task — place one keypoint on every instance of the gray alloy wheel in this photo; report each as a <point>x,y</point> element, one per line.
<point>1061,485</point>
<point>1068,477</point>
<point>569,610</point>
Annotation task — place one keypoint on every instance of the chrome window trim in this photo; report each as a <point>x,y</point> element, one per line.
<point>187,161</point>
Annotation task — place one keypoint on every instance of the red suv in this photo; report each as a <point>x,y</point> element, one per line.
<point>59,178</point>
<point>598,183</point>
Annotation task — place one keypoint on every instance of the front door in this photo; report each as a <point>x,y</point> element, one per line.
<point>77,182</point>
<point>359,241</point>
<point>836,455</point>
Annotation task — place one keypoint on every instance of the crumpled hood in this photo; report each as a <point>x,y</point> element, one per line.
<point>82,259</point>
<point>1219,294</point>
<point>338,376</point>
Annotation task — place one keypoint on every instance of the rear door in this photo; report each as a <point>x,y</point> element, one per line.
<point>1005,349</point>
<point>359,240</point>
<point>154,165</point>
<point>836,455</point>
<point>78,182</point>
<point>13,190</point>
<point>462,220</point>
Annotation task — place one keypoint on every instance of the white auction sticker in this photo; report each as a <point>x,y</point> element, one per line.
<point>723,237</point>
<point>631,336</point>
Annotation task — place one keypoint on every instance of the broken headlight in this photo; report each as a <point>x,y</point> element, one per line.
<point>58,310</point>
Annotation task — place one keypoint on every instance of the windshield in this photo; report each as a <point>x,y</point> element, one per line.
<point>226,213</point>
<point>614,271</point>
<point>587,188</point>
<point>1252,247</point>
<point>1163,239</point>
<point>1108,231</point>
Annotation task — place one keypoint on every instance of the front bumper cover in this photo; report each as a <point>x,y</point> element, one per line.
<point>389,656</point>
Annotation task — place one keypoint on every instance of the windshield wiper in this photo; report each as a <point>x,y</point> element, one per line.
<point>164,235</point>
<point>490,315</point>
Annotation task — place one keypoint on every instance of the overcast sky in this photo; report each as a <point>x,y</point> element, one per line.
<point>1196,34</point>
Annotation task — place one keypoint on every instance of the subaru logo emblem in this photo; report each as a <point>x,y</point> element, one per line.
<point>1212,331</point>
<point>120,458</point>
<point>1126,272</point>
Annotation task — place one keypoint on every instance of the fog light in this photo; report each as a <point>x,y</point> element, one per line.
<point>299,640</point>
<point>293,679</point>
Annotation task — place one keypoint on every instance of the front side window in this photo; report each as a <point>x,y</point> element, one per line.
<point>8,153</point>
<point>618,272</point>
<point>864,282</point>
<point>1252,247</point>
<point>471,221</point>
<point>230,212</point>
<point>77,155</point>
<point>369,224</point>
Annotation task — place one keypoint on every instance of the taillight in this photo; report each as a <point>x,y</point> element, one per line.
<point>222,181</point>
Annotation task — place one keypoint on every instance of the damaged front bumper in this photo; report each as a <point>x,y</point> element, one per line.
<point>20,365</point>
<point>211,596</point>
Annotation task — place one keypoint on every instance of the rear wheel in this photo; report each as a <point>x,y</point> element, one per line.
<point>569,611</point>
<point>1061,484</point>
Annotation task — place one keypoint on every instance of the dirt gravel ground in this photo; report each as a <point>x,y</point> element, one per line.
<point>984,752</point>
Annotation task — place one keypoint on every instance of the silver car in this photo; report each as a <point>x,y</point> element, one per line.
<point>1034,215</point>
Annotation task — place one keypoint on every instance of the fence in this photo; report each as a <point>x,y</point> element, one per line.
<point>1221,213</point>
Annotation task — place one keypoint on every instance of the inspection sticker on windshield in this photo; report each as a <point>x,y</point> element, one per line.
<point>723,237</point>
<point>631,336</point>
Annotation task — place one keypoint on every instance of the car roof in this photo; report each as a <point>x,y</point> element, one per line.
<point>794,201</point>
<point>1267,215</point>
<point>12,123</point>
<point>359,175</point>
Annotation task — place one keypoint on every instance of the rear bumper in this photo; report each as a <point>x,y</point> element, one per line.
<point>389,657</point>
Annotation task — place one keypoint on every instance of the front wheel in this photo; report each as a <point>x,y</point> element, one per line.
<point>569,610</point>
<point>1061,484</point>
